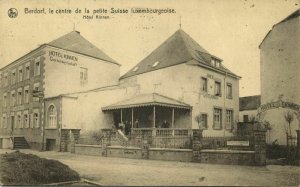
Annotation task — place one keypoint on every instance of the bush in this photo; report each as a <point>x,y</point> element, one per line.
<point>275,151</point>
<point>26,169</point>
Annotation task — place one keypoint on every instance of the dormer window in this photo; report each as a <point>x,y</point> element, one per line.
<point>155,64</point>
<point>135,69</point>
<point>215,62</point>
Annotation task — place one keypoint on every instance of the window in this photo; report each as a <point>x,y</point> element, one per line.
<point>229,119</point>
<point>5,80</point>
<point>217,88</point>
<point>19,121</point>
<point>155,64</point>
<point>83,75</point>
<point>4,121</point>
<point>215,62</point>
<point>13,76</point>
<point>4,99</point>
<point>13,98</point>
<point>26,94</point>
<point>217,119</point>
<point>27,70</point>
<point>36,121</point>
<point>26,119</point>
<point>204,121</point>
<point>36,88</point>
<point>20,76</point>
<point>229,91</point>
<point>37,66</point>
<point>52,117</point>
<point>204,84</point>
<point>19,96</point>
<point>245,118</point>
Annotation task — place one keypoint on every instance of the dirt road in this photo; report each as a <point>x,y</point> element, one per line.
<point>119,171</point>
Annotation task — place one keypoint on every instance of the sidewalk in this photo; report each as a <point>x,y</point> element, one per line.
<point>119,171</point>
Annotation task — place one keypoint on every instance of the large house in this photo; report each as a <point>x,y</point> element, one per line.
<point>179,84</point>
<point>67,64</point>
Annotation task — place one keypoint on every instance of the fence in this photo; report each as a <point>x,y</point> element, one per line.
<point>157,138</point>
<point>161,132</point>
<point>212,142</point>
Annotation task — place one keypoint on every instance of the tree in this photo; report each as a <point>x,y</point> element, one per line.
<point>289,117</point>
<point>297,113</point>
<point>268,127</point>
<point>199,120</point>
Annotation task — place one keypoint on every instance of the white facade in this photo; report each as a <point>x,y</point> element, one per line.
<point>183,82</point>
<point>68,72</point>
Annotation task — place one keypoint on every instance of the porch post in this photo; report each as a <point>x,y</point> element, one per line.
<point>173,131</point>
<point>132,118</point>
<point>121,116</point>
<point>153,130</point>
<point>153,116</point>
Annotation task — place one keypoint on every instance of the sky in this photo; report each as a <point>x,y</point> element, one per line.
<point>231,29</point>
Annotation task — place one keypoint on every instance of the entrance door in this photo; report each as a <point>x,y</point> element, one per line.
<point>12,122</point>
<point>50,144</point>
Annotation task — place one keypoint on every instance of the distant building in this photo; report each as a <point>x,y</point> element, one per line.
<point>280,80</point>
<point>248,108</point>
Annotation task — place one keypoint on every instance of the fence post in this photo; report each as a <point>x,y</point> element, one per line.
<point>145,148</point>
<point>260,146</point>
<point>197,145</point>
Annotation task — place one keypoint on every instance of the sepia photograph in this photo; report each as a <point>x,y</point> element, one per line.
<point>149,93</point>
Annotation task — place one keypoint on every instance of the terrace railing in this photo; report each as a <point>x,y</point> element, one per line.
<point>161,132</point>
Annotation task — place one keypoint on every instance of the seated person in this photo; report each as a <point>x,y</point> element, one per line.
<point>165,124</point>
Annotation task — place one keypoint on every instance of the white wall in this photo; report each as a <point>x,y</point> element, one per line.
<point>182,82</point>
<point>85,111</point>
<point>280,68</point>
<point>61,78</point>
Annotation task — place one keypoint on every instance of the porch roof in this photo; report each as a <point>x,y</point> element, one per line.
<point>152,99</point>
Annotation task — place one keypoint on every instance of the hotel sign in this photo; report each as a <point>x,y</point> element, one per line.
<point>238,143</point>
<point>278,104</point>
<point>63,58</point>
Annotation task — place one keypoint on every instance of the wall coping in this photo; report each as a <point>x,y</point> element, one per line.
<point>7,137</point>
<point>86,145</point>
<point>170,149</point>
<point>226,151</point>
<point>122,147</point>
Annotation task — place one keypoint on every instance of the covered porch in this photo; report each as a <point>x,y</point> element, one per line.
<point>152,115</point>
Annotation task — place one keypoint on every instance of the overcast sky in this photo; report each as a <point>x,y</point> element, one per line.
<point>231,30</point>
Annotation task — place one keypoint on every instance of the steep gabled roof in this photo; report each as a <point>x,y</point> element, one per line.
<point>291,16</point>
<point>249,102</point>
<point>177,49</point>
<point>74,42</point>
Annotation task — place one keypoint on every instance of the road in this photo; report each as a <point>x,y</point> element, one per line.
<point>120,171</point>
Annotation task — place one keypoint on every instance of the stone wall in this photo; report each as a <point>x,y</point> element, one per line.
<point>255,156</point>
<point>69,137</point>
<point>183,155</point>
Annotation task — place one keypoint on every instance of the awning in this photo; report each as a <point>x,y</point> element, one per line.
<point>152,99</point>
